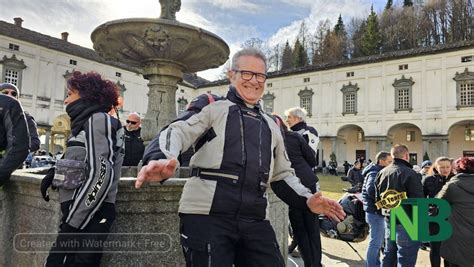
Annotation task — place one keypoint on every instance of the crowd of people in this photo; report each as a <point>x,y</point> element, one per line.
<point>235,151</point>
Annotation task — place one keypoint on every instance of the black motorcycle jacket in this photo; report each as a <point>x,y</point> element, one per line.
<point>14,138</point>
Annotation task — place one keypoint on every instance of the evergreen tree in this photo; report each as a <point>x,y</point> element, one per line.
<point>300,57</point>
<point>371,40</point>
<point>340,29</point>
<point>287,57</point>
<point>357,38</point>
<point>341,44</point>
<point>389,4</point>
<point>407,3</point>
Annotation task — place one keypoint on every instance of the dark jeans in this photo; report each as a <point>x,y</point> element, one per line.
<point>406,249</point>
<point>305,227</point>
<point>73,247</point>
<point>218,241</point>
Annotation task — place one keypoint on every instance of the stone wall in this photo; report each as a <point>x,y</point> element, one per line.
<point>147,217</point>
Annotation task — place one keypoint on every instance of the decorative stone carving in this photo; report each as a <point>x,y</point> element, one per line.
<point>169,9</point>
<point>157,37</point>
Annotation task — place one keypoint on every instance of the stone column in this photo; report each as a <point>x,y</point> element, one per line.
<point>334,147</point>
<point>425,146</point>
<point>384,145</point>
<point>367,150</point>
<point>163,78</point>
<point>445,146</point>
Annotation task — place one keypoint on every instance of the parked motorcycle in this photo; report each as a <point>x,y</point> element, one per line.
<point>353,228</point>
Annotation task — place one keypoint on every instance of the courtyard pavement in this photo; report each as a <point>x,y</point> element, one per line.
<point>338,253</point>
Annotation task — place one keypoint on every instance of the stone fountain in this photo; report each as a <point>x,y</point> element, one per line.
<point>162,50</point>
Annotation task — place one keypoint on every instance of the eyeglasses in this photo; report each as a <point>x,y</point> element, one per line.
<point>8,92</point>
<point>248,75</point>
<point>132,122</point>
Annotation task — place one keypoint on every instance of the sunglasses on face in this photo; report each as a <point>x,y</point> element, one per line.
<point>8,92</point>
<point>131,122</point>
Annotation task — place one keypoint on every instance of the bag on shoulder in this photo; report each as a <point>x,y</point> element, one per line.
<point>69,174</point>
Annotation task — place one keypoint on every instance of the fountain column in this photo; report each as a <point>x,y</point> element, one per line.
<point>163,79</point>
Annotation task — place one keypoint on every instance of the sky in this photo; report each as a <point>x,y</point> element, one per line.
<point>235,21</point>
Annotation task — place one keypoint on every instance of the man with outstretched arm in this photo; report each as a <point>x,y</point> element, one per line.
<point>223,219</point>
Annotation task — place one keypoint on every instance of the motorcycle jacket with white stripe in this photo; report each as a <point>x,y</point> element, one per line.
<point>100,145</point>
<point>244,153</point>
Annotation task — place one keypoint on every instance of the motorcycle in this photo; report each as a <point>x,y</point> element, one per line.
<point>353,228</point>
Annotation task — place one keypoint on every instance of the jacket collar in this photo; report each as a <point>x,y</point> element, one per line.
<point>300,125</point>
<point>234,97</point>
<point>398,161</point>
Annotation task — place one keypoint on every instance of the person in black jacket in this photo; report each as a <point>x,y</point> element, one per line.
<point>354,175</point>
<point>14,139</point>
<point>372,214</point>
<point>399,176</point>
<point>13,91</point>
<point>303,222</point>
<point>134,146</point>
<point>440,172</point>
<point>295,117</point>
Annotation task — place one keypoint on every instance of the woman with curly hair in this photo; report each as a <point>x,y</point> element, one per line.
<point>87,176</point>
<point>459,192</point>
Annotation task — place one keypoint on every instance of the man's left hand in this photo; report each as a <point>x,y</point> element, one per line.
<point>323,205</point>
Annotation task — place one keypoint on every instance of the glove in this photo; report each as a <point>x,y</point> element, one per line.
<point>46,183</point>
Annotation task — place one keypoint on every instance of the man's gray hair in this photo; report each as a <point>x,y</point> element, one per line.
<point>248,52</point>
<point>297,112</point>
<point>382,155</point>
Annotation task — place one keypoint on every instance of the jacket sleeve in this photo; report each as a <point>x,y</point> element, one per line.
<point>446,192</point>
<point>428,184</point>
<point>181,134</point>
<point>284,182</point>
<point>308,153</point>
<point>100,143</point>
<point>153,150</point>
<point>370,184</point>
<point>16,151</point>
<point>350,174</point>
<point>33,130</point>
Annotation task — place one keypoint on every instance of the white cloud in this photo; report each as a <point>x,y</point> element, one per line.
<point>231,4</point>
<point>320,11</point>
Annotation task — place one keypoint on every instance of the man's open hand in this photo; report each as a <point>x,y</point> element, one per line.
<point>156,171</point>
<point>322,205</point>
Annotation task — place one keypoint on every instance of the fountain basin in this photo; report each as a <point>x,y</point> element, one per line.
<point>144,42</point>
